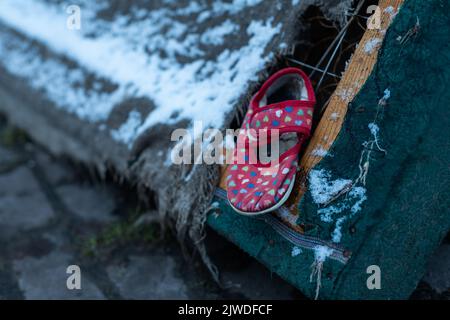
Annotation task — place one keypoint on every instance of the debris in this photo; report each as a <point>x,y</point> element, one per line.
<point>413,32</point>
<point>321,253</point>
<point>372,145</point>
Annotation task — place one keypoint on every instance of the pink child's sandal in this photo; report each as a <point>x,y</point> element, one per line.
<point>285,102</point>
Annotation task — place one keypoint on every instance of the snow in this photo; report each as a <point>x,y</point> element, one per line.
<point>226,8</point>
<point>64,86</point>
<point>391,11</point>
<point>336,235</point>
<point>321,253</point>
<point>322,188</point>
<point>215,36</point>
<point>326,214</point>
<point>374,129</point>
<point>296,251</point>
<point>319,152</point>
<point>128,56</point>
<point>352,201</point>
<point>387,94</point>
<point>286,215</point>
<point>346,94</point>
<point>371,45</point>
<point>127,131</point>
<point>221,7</point>
<point>215,204</point>
<point>283,45</point>
<point>193,7</point>
<point>358,193</point>
<point>334,116</point>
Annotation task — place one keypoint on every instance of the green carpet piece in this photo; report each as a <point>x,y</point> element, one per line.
<point>401,214</point>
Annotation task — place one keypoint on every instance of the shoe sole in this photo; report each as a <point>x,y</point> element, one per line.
<point>273,208</point>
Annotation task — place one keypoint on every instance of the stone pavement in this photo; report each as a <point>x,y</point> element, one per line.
<point>54,214</point>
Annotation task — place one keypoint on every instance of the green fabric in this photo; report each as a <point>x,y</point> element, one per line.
<point>260,241</point>
<point>406,213</point>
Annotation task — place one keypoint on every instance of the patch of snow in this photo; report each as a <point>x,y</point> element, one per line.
<point>215,36</point>
<point>169,160</point>
<point>334,116</point>
<point>295,2</point>
<point>323,189</point>
<point>286,215</point>
<point>128,56</point>
<point>391,11</point>
<point>387,94</point>
<point>220,7</point>
<point>321,253</point>
<point>191,8</point>
<point>374,129</point>
<point>336,236</point>
<point>326,214</point>
<point>321,186</point>
<point>64,86</point>
<point>371,45</point>
<point>353,202</point>
<point>215,204</point>
<point>127,131</point>
<point>358,193</point>
<point>205,15</point>
<point>346,94</point>
<point>296,251</point>
<point>319,152</point>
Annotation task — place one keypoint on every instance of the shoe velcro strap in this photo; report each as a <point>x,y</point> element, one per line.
<point>294,115</point>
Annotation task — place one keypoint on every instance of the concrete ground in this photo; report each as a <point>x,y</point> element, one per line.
<point>54,214</point>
